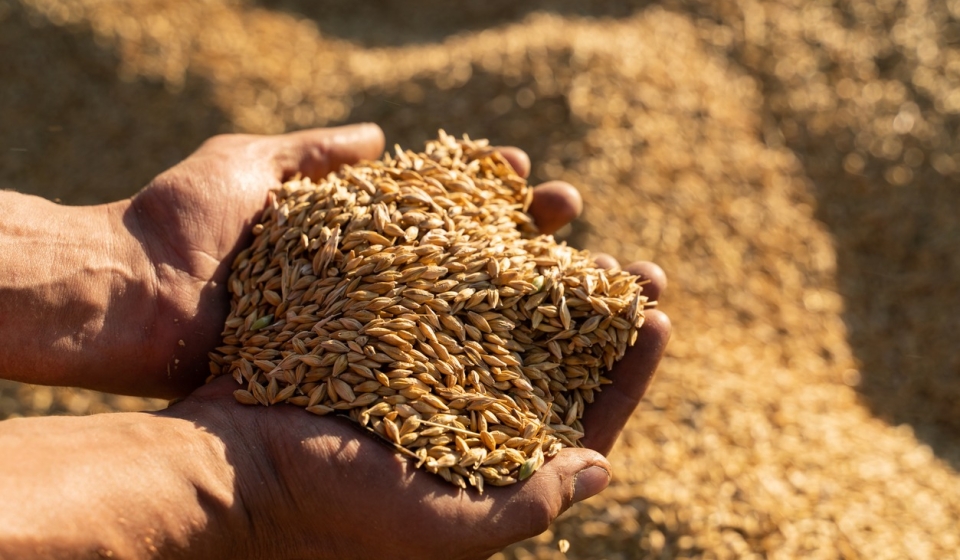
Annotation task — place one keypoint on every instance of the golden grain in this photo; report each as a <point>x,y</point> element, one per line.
<point>431,324</point>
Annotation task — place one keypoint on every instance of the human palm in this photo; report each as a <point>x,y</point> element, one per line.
<point>192,219</point>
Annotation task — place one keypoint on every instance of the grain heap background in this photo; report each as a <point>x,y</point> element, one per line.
<point>792,165</point>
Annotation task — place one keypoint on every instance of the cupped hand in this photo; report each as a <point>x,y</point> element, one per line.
<point>320,487</point>
<point>190,222</point>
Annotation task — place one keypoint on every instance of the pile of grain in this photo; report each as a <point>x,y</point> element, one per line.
<point>792,165</point>
<point>415,295</point>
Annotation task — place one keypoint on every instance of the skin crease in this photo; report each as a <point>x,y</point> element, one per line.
<point>207,478</point>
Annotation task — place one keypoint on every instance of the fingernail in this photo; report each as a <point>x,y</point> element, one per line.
<point>590,482</point>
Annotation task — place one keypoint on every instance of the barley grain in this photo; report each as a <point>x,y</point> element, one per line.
<point>437,316</point>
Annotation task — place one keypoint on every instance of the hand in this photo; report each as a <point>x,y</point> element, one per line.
<point>194,218</point>
<point>129,297</point>
<point>321,487</point>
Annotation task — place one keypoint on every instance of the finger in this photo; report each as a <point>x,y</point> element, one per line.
<point>605,261</point>
<point>468,519</point>
<point>316,152</point>
<point>555,204</point>
<point>517,158</point>
<point>526,509</point>
<point>603,420</point>
<point>654,274</point>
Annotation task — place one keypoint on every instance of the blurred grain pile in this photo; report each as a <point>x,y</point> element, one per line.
<point>792,165</point>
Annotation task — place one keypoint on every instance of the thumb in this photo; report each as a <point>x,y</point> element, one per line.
<point>318,151</point>
<point>572,476</point>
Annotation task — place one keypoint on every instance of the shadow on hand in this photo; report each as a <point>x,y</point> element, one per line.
<point>334,475</point>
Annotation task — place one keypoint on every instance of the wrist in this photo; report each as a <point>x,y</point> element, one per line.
<point>67,282</point>
<point>82,303</point>
<point>189,299</point>
<point>121,485</point>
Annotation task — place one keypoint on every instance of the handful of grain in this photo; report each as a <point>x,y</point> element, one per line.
<point>414,295</point>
